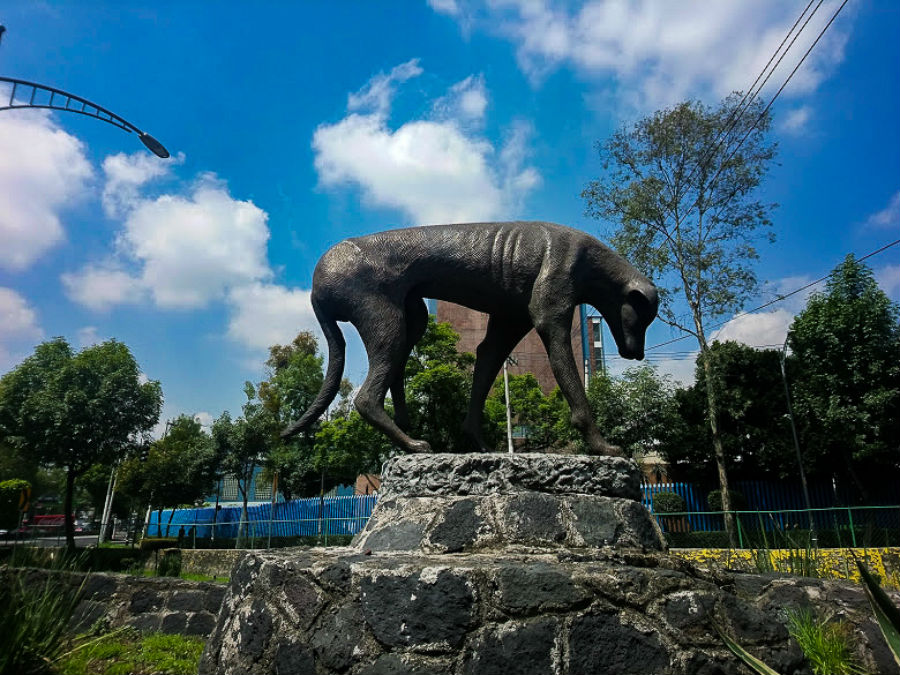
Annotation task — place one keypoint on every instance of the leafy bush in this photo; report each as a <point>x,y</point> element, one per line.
<point>10,490</point>
<point>738,501</point>
<point>170,563</point>
<point>668,502</point>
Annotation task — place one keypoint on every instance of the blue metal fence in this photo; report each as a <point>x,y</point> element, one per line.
<point>295,518</point>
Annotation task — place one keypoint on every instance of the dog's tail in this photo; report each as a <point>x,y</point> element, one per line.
<point>336,346</point>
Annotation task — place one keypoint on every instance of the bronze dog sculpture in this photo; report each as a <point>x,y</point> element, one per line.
<point>522,274</point>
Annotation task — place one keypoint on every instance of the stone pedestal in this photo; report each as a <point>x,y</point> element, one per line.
<point>505,565</point>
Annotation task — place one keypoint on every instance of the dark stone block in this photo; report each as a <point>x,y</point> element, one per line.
<point>600,643</point>
<point>459,527</point>
<point>750,625</point>
<point>186,601</point>
<point>100,587</point>
<point>145,600</point>
<point>145,623</point>
<point>596,521</point>
<point>405,610</point>
<point>534,516</point>
<point>293,659</point>
<point>532,588</point>
<point>690,612</point>
<point>404,536</point>
<point>201,623</point>
<point>527,649</point>
<point>213,597</point>
<point>254,631</point>
<point>304,600</point>
<point>86,614</point>
<point>336,577</point>
<point>174,623</point>
<point>392,664</point>
<point>337,641</point>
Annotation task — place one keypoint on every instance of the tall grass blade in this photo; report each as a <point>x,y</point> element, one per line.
<point>745,656</point>
<point>886,613</point>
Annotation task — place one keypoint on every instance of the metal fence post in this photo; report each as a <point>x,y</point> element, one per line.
<point>852,529</point>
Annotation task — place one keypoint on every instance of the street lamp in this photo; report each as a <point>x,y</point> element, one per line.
<point>37,97</point>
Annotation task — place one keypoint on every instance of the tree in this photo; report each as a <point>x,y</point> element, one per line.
<point>179,468</point>
<point>243,444</point>
<point>75,410</point>
<point>638,409</point>
<point>753,421</point>
<point>543,420</point>
<point>845,376</point>
<point>687,217</point>
<point>438,384</point>
<point>10,494</point>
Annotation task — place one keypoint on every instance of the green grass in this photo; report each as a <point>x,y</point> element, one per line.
<point>828,646</point>
<point>218,579</point>
<point>130,653</point>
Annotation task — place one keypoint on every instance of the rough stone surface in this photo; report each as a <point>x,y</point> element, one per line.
<point>551,612</point>
<point>445,474</point>
<point>164,604</point>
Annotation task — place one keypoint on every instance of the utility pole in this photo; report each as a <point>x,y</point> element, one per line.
<point>509,437</point>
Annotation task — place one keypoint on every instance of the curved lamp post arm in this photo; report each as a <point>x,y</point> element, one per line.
<point>62,100</point>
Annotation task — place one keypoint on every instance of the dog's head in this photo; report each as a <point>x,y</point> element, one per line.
<point>629,318</point>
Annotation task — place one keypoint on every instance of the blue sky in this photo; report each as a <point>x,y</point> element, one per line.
<point>295,125</point>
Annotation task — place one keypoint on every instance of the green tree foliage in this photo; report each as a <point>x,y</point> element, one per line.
<point>75,410</point>
<point>542,419</point>
<point>684,204</point>
<point>636,410</point>
<point>438,385</point>
<point>753,422</point>
<point>179,468</point>
<point>10,493</point>
<point>348,446</point>
<point>244,443</point>
<point>845,377</point>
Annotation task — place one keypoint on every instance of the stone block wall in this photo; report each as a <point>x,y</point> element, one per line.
<point>166,605</point>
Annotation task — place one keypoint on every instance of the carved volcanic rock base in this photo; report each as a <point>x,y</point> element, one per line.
<point>325,612</point>
<point>446,503</point>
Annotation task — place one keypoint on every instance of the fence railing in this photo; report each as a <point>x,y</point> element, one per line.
<point>838,527</point>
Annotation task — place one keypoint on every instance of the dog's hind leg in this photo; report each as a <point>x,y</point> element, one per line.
<point>502,335</point>
<point>382,326</point>
<point>416,323</point>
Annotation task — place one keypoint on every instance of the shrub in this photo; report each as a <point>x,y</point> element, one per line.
<point>668,502</point>
<point>738,501</point>
<point>827,646</point>
<point>10,490</point>
<point>169,563</point>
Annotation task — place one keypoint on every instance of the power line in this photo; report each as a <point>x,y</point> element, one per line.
<point>777,299</point>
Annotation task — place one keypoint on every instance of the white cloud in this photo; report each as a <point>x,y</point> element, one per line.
<point>204,418</point>
<point>88,336</point>
<point>888,278</point>
<point>796,120</point>
<point>126,174</point>
<point>662,52</point>
<point>100,287</point>
<point>376,95</point>
<point>449,7</point>
<point>42,170</point>
<point>889,216</point>
<point>465,101</point>
<point>263,315</point>
<point>761,329</point>
<point>19,327</point>
<point>430,169</point>
<point>182,251</point>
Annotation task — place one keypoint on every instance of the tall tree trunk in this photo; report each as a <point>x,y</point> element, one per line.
<point>169,524</point>
<point>718,448</point>
<point>68,506</point>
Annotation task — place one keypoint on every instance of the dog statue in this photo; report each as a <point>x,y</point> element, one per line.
<point>524,275</point>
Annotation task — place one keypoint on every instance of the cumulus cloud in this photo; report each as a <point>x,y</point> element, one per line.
<point>126,174</point>
<point>760,329</point>
<point>183,251</point>
<point>889,216</point>
<point>42,170</point>
<point>267,314</point>
<point>661,52</point>
<point>19,327</point>
<point>432,169</point>
<point>888,278</point>
<point>796,120</point>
